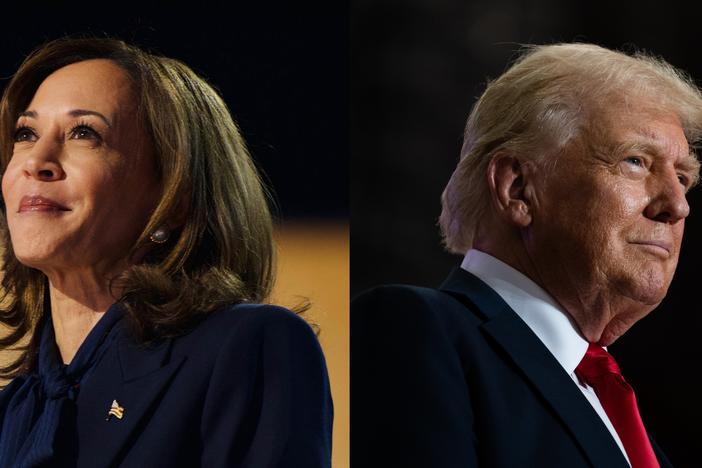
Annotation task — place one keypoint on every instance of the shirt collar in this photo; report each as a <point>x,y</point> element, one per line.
<point>542,314</point>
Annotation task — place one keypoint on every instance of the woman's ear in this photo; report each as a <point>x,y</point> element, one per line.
<point>181,214</point>
<point>509,181</point>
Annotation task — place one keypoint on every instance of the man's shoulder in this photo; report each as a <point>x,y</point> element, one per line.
<point>418,297</point>
<point>410,304</point>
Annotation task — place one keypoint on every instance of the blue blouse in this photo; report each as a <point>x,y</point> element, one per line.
<point>247,387</point>
<point>34,406</point>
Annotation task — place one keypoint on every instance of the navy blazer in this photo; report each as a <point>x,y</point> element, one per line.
<point>246,388</point>
<point>454,378</point>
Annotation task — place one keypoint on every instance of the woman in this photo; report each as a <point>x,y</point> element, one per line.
<point>137,246</point>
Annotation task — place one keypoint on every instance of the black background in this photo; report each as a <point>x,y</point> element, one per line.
<point>417,67</point>
<point>283,72</point>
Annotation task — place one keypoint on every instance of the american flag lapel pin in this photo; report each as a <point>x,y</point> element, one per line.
<point>115,410</point>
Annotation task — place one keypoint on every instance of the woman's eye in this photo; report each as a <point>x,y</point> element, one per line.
<point>82,132</point>
<point>24,134</point>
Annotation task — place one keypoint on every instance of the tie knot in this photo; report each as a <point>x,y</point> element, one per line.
<point>596,364</point>
<point>599,370</point>
<point>56,384</point>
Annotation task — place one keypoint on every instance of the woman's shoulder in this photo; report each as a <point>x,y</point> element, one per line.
<point>248,326</point>
<point>251,318</point>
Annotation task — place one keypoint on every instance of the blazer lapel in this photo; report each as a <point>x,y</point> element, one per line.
<point>538,366</point>
<point>133,377</point>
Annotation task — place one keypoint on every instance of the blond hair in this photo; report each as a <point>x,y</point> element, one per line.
<point>545,100</point>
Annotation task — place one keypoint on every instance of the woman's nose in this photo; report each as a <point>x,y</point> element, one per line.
<point>42,163</point>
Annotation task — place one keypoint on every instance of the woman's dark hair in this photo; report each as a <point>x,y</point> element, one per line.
<point>221,249</point>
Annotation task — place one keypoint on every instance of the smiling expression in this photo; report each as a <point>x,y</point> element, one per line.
<point>609,219</point>
<point>81,183</point>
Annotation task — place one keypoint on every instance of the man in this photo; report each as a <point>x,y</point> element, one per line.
<point>568,204</point>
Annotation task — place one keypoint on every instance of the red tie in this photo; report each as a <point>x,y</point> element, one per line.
<point>599,370</point>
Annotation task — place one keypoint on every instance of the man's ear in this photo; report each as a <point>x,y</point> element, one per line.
<point>508,180</point>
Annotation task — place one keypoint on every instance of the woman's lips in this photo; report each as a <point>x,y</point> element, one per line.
<point>39,203</point>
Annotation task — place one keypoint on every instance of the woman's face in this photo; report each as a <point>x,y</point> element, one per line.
<point>82,180</point>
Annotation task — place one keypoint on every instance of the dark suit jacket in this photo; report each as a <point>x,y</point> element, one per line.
<point>246,388</point>
<point>454,378</point>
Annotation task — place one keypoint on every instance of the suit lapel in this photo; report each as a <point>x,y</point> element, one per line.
<point>538,366</point>
<point>132,376</point>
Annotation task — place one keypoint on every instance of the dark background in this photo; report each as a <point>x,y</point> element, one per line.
<point>417,67</point>
<point>283,72</point>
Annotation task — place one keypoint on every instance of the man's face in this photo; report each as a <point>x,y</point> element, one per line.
<point>608,221</point>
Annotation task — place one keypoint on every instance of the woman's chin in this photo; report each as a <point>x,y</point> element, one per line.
<point>36,259</point>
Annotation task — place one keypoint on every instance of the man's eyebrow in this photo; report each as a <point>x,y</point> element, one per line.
<point>650,142</point>
<point>651,145</point>
<point>73,113</point>
<point>690,163</point>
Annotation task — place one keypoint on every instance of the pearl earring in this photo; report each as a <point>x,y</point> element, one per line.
<point>160,235</point>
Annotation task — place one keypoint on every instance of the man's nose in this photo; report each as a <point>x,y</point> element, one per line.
<point>668,202</point>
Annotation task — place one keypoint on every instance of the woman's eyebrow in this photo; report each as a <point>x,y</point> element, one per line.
<point>30,114</point>
<point>82,112</point>
<point>72,113</point>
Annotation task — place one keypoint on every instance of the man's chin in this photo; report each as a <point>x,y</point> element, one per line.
<point>650,298</point>
<point>621,323</point>
<point>645,288</point>
<point>608,338</point>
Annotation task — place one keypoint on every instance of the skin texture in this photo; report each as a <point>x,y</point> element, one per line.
<point>101,169</point>
<point>601,231</point>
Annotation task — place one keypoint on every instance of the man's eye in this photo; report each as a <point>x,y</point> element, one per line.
<point>635,160</point>
<point>24,134</point>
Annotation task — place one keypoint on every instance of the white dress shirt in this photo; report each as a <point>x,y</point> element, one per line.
<point>543,315</point>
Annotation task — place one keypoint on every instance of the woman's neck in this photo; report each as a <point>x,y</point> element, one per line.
<point>75,309</point>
